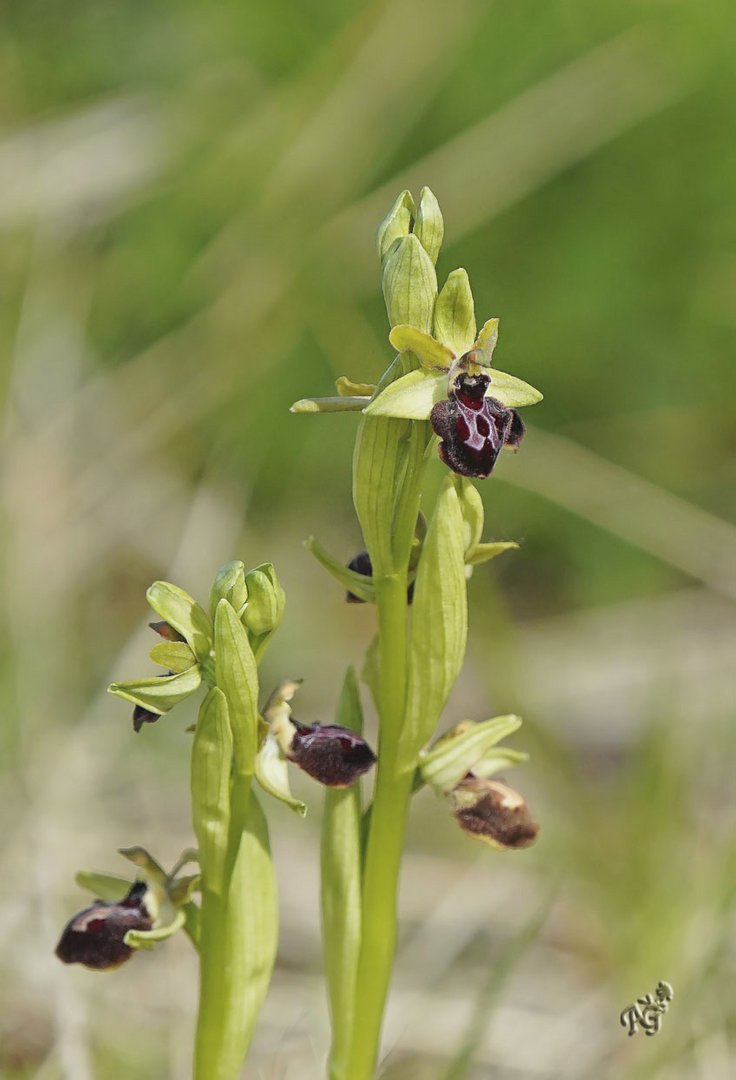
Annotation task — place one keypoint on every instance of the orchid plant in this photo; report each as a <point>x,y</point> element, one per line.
<point>439,393</point>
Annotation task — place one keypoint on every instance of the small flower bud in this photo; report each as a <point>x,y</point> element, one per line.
<point>229,584</point>
<point>491,811</point>
<point>95,936</point>
<point>333,755</point>
<point>429,227</point>
<point>266,600</point>
<point>410,285</point>
<point>396,224</point>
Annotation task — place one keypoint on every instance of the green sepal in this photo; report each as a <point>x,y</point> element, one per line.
<point>103,886</point>
<point>486,342</point>
<point>341,889</point>
<point>413,396</point>
<point>159,693</point>
<point>498,759</point>
<point>429,227</point>
<point>457,752</point>
<point>229,584</point>
<point>483,552</point>
<point>210,784</point>
<point>347,388</point>
<point>396,224</point>
<point>236,675</point>
<point>431,354</point>
<point>272,773</point>
<point>179,610</point>
<point>439,624</point>
<point>266,600</point>
<point>358,584</point>
<point>410,284</point>
<point>176,656</point>
<point>330,404</point>
<point>146,939</point>
<point>454,313</point>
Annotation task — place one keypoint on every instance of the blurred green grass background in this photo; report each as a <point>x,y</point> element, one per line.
<point>188,200</point>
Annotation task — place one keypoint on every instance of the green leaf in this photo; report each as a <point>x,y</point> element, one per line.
<point>454,314</point>
<point>396,224</point>
<point>341,890</point>
<point>358,584</point>
<point>103,886</point>
<point>429,227</point>
<point>430,353</point>
<point>159,693</point>
<point>272,773</point>
<point>378,460</point>
<point>229,584</point>
<point>184,614</point>
<point>210,781</point>
<point>471,507</point>
<point>439,624</point>
<point>459,751</point>
<point>330,404</point>
<point>174,655</point>
<point>347,388</point>
<point>237,676</point>
<point>410,284</point>
<point>413,396</point>
<point>483,552</point>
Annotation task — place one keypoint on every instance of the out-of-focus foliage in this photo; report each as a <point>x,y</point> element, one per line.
<point>188,199</point>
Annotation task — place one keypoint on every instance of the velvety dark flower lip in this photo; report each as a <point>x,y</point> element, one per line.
<point>490,810</point>
<point>361,564</point>
<point>333,755</point>
<point>94,937</point>
<point>473,428</point>
<point>143,716</point>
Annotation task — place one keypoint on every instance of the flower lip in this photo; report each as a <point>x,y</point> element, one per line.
<point>95,937</point>
<point>333,755</point>
<point>143,716</point>
<point>472,427</point>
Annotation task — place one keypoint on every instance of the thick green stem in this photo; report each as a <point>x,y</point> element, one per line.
<point>386,838</point>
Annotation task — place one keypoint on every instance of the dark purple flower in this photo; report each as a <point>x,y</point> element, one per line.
<point>94,937</point>
<point>331,754</point>
<point>361,564</point>
<point>491,811</point>
<point>143,716</point>
<point>473,427</point>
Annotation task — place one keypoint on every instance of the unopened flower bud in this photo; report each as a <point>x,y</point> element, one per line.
<point>429,227</point>
<point>410,285</point>
<point>229,584</point>
<point>396,224</point>
<point>491,811</point>
<point>266,600</point>
<point>95,936</point>
<point>333,755</point>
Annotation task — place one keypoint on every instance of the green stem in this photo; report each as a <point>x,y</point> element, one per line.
<point>219,1042</point>
<point>386,838</point>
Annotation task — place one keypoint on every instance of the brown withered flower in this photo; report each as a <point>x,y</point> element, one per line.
<point>95,936</point>
<point>491,811</point>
